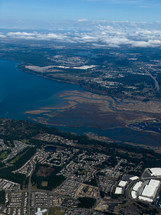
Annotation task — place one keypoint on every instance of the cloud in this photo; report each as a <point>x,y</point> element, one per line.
<point>22,35</point>
<point>104,33</point>
<point>51,36</point>
<point>82,20</point>
<point>36,36</point>
<point>150,43</point>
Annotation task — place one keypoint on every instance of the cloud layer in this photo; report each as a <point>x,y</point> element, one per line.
<point>110,34</point>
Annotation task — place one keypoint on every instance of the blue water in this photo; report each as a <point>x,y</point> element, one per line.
<point>50,149</point>
<point>21,91</point>
<point>120,134</point>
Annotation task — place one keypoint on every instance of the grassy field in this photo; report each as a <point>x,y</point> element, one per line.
<point>3,155</point>
<point>56,211</point>
<point>44,183</point>
<point>19,156</point>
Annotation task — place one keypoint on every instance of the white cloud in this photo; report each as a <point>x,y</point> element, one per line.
<point>110,34</point>
<point>51,36</point>
<point>82,20</point>
<point>22,35</point>
<point>150,43</point>
<point>140,44</point>
<point>36,36</point>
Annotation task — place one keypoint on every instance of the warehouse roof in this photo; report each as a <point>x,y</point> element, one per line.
<point>123,183</point>
<point>118,190</point>
<point>155,171</point>
<point>151,189</point>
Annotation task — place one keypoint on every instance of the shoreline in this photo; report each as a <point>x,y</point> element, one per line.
<point>23,69</point>
<point>63,81</point>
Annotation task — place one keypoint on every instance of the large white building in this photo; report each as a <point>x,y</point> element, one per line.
<point>155,171</point>
<point>40,212</point>
<point>150,189</point>
<point>145,191</point>
<point>118,191</point>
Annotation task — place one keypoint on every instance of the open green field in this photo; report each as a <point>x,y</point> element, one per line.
<point>3,155</point>
<point>56,211</point>
<point>19,156</point>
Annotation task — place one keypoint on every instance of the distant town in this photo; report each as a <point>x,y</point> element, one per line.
<point>47,171</point>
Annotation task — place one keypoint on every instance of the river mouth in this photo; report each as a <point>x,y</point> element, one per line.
<point>85,112</point>
<point>68,107</point>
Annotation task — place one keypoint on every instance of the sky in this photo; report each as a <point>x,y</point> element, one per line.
<point>40,13</point>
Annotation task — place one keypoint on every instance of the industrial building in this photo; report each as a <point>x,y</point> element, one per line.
<point>145,190</point>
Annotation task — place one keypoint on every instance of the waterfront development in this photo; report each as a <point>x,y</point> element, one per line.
<point>79,125</point>
<point>46,169</point>
<point>80,107</point>
<point>27,96</point>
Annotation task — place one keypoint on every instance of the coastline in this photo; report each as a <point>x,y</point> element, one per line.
<point>72,104</point>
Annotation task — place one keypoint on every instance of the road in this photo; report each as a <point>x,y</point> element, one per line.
<point>29,187</point>
<point>157,87</point>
